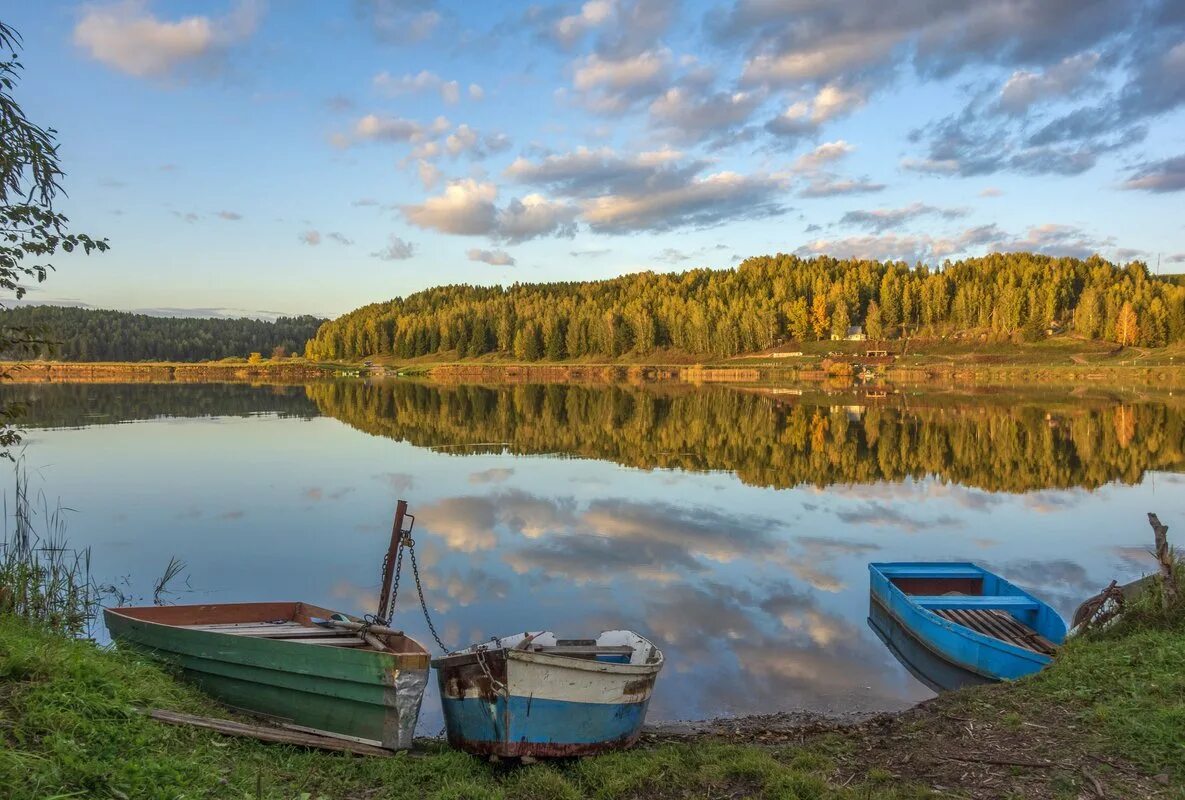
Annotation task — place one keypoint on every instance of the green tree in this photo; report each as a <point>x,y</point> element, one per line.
<point>31,230</point>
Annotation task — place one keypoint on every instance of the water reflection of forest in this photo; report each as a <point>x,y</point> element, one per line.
<point>772,440</point>
<point>1000,442</point>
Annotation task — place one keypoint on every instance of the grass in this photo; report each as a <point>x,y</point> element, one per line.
<point>69,722</point>
<point>70,726</point>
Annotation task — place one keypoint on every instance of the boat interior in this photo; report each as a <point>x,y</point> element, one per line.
<point>297,623</point>
<point>610,647</point>
<point>978,600</point>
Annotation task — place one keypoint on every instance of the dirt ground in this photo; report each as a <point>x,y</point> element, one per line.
<point>941,745</point>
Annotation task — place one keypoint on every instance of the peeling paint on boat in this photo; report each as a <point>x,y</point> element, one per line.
<point>509,702</point>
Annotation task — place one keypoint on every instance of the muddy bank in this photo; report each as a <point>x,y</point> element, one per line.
<point>64,372</point>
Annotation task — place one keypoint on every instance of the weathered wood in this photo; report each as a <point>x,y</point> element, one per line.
<point>1164,558</point>
<point>336,641</point>
<point>384,608</point>
<point>564,650</point>
<point>347,625</point>
<point>999,625</point>
<point>268,734</point>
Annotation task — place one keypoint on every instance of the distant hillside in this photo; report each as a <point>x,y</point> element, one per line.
<point>765,301</point>
<point>84,334</point>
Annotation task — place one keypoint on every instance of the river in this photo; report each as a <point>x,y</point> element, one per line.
<point>732,525</point>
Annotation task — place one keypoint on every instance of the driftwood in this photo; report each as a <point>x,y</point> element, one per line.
<point>1164,558</point>
<point>268,734</point>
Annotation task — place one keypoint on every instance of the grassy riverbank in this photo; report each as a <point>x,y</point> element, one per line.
<point>1110,712</point>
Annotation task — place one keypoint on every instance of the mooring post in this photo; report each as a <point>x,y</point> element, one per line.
<point>384,609</point>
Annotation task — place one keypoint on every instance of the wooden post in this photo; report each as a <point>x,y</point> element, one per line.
<point>389,567</point>
<point>1164,558</point>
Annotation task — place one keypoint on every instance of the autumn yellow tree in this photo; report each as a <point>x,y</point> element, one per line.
<point>1127,328</point>
<point>820,320</point>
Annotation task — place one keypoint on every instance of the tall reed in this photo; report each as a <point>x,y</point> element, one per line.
<point>42,579</point>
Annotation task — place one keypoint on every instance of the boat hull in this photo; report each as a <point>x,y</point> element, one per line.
<point>511,703</point>
<point>935,672</point>
<point>364,694</point>
<point>981,655</point>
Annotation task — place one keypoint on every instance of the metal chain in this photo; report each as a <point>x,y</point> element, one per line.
<point>406,542</point>
<point>415,568</point>
<point>496,684</point>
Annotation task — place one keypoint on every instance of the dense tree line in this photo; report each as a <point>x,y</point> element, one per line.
<point>764,301</point>
<point>79,334</point>
<point>1011,445</point>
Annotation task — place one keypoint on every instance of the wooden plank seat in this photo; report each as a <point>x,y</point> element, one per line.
<point>587,652</point>
<point>288,631</point>
<point>1000,625</point>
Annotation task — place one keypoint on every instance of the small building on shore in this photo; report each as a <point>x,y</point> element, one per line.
<point>855,333</point>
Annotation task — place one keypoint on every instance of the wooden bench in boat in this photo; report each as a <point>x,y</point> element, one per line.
<point>584,651</point>
<point>287,630</point>
<point>998,624</point>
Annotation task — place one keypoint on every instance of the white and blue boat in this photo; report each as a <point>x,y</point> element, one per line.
<point>969,617</point>
<point>534,695</point>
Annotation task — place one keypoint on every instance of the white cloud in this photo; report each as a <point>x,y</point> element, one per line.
<point>689,114</point>
<point>882,219</point>
<point>567,30</point>
<point>311,237</point>
<point>476,92</point>
<point>429,173</point>
<point>382,128</point>
<point>128,37</point>
<point>825,153</point>
<point>464,140</point>
<point>1024,89</point>
<point>535,215</point>
<point>612,85</point>
<point>467,208</point>
<point>804,117</point>
<point>825,184</point>
<point>654,190</point>
<point>700,202</point>
<point>396,250</point>
<point>498,258</point>
<point>835,56</point>
<point>399,21</point>
<point>422,81</point>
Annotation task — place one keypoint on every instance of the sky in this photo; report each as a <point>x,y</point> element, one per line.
<point>303,156</point>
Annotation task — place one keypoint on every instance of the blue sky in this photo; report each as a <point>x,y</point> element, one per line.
<point>305,156</point>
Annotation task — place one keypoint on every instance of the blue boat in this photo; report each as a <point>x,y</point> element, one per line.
<point>969,617</point>
<point>935,673</point>
<point>533,695</point>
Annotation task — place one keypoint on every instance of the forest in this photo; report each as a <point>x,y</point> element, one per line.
<point>1015,446</point>
<point>81,334</point>
<point>767,301</point>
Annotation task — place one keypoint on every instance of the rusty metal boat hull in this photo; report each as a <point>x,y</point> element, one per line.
<point>511,703</point>
<point>357,692</point>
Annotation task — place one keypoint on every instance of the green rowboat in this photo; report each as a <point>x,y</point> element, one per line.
<point>272,659</point>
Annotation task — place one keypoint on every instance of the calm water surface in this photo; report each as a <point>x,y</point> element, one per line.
<point>733,526</point>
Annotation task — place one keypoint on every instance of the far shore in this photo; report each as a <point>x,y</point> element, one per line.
<point>1057,361</point>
